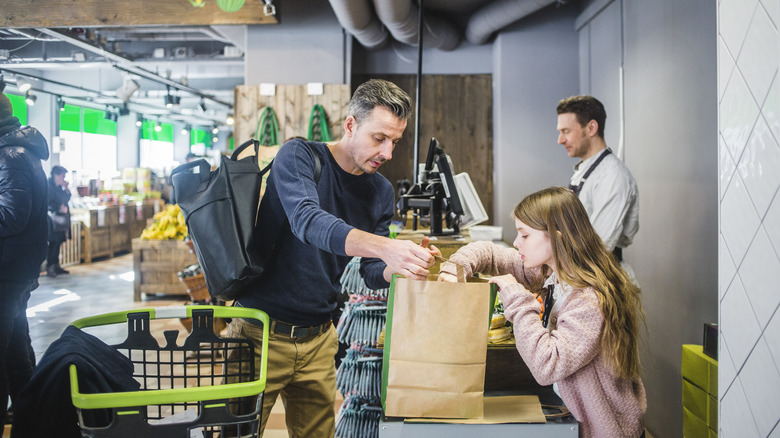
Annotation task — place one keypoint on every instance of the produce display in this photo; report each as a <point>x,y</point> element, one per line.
<point>168,225</point>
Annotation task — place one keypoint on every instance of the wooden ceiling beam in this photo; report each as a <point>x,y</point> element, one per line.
<point>93,13</point>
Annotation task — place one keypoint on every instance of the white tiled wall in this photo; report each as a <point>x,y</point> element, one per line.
<point>749,244</point>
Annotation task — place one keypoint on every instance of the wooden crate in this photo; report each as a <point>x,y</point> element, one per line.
<point>156,263</point>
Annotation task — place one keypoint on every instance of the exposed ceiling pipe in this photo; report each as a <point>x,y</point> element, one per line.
<point>30,36</point>
<point>401,16</point>
<point>127,65</point>
<point>149,33</point>
<point>357,17</point>
<point>499,14</point>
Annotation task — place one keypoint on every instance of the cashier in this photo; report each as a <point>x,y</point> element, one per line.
<point>601,180</point>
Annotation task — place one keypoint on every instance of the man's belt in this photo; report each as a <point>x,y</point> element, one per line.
<point>297,331</point>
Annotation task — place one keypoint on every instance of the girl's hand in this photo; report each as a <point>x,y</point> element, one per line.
<point>503,280</point>
<point>447,277</point>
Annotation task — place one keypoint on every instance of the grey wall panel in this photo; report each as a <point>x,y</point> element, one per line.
<point>671,145</point>
<point>535,65</point>
<point>399,58</point>
<point>605,51</point>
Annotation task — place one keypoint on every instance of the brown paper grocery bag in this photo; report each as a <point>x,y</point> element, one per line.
<point>435,348</point>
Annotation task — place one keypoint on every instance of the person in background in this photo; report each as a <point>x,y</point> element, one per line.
<point>586,343</point>
<point>22,244</point>
<point>59,196</point>
<point>601,180</point>
<point>346,213</point>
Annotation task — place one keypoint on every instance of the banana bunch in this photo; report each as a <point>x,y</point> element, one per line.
<point>168,225</point>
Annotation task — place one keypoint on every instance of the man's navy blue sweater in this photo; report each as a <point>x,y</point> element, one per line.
<point>306,258</point>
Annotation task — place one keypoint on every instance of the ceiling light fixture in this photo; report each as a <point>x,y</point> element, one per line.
<point>30,98</point>
<point>158,126</point>
<point>23,84</point>
<point>185,129</point>
<point>230,120</point>
<point>60,103</point>
<point>215,130</point>
<point>127,89</point>
<point>168,98</point>
<point>139,121</point>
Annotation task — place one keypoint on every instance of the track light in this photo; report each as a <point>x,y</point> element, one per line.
<point>185,129</point>
<point>215,139</point>
<point>30,98</point>
<point>158,127</point>
<point>127,89</point>
<point>230,120</point>
<point>168,98</point>
<point>60,103</point>
<point>107,113</point>
<point>215,130</point>
<point>23,84</point>
<point>139,121</point>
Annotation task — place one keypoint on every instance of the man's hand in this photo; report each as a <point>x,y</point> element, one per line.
<point>406,258</point>
<point>402,257</point>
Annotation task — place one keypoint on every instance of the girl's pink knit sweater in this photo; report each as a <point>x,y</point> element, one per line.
<point>570,354</point>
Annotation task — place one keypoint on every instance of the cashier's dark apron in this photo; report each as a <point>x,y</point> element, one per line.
<point>617,252</point>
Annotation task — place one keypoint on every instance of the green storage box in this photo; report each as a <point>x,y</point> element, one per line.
<point>700,404</point>
<point>693,426</point>
<point>700,369</point>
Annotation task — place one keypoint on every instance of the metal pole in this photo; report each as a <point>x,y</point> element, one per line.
<point>419,90</point>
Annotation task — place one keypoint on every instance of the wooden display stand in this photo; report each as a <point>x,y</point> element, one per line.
<point>156,263</point>
<point>109,230</point>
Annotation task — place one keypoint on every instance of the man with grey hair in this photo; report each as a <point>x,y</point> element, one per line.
<point>23,229</point>
<point>323,220</point>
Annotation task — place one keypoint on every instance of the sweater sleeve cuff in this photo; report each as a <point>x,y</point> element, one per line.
<point>338,239</point>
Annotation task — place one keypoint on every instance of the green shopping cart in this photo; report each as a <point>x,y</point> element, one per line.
<point>205,387</point>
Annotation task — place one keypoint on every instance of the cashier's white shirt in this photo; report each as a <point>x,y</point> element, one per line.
<point>611,198</point>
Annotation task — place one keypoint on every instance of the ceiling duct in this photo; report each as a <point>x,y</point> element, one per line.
<point>401,17</point>
<point>499,14</point>
<point>357,17</point>
<point>365,22</point>
<point>364,19</point>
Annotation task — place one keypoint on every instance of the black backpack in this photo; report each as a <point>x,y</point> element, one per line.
<point>220,208</point>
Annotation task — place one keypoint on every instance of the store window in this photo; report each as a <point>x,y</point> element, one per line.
<point>88,143</point>
<point>157,147</point>
<point>199,141</point>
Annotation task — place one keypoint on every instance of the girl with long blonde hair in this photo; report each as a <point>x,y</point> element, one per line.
<point>587,342</point>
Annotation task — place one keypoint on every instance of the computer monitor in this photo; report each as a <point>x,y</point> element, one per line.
<point>441,196</point>
<point>473,211</point>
